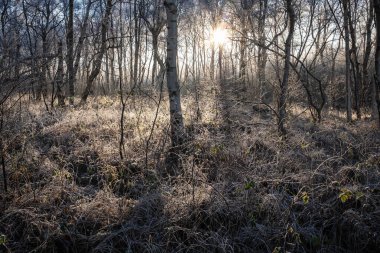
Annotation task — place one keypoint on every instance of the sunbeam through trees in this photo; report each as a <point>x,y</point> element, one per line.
<point>189,126</point>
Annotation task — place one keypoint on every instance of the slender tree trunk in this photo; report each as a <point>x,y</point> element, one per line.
<point>355,63</point>
<point>265,94</point>
<point>59,76</point>
<point>220,63</point>
<point>155,49</point>
<point>107,72</point>
<point>137,44</point>
<point>2,149</point>
<point>122,101</point>
<point>367,50</point>
<point>243,46</point>
<point>98,59</point>
<point>112,63</point>
<point>44,68</point>
<point>285,79</point>
<point>82,37</point>
<point>194,60</point>
<point>212,61</point>
<point>176,120</point>
<point>70,52</point>
<point>347,52</point>
<point>376,86</point>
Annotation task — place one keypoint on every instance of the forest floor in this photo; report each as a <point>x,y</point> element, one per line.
<point>241,187</point>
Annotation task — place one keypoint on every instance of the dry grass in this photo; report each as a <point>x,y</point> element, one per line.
<point>241,188</point>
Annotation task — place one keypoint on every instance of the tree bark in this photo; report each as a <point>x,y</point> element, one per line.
<point>212,61</point>
<point>376,86</point>
<point>98,60</point>
<point>82,37</point>
<point>70,52</point>
<point>265,93</point>
<point>243,46</point>
<point>285,79</point>
<point>347,53</point>
<point>155,49</point>
<point>367,50</point>
<point>176,119</point>
<point>59,76</point>
<point>137,45</point>
<point>355,63</point>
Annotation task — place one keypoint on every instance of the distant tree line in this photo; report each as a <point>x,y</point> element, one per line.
<point>320,54</point>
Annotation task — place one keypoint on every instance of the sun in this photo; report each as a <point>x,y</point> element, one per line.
<point>219,36</point>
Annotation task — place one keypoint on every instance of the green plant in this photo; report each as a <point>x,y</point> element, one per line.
<point>3,239</point>
<point>305,197</point>
<point>249,185</point>
<point>216,149</point>
<point>345,195</point>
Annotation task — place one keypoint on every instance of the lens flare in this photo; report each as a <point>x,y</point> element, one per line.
<point>220,36</point>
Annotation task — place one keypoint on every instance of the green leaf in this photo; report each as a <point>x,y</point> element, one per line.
<point>249,185</point>
<point>305,197</point>
<point>3,239</point>
<point>359,195</point>
<point>345,195</point>
<point>216,149</point>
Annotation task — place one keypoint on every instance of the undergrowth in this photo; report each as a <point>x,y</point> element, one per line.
<point>241,188</point>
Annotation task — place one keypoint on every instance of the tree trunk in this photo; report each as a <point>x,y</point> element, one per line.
<point>176,120</point>
<point>265,93</point>
<point>137,45</point>
<point>44,69</point>
<point>82,37</point>
<point>59,76</point>
<point>243,46</point>
<point>347,52</point>
<point>107,71</point>
<point>70,52</point>
<point>367,50</point>
<point>98,60</point>
<point>376,86</point>
<point>2,152</point>
<point>355,63</point>
<point>285,79</point>
<point>212,62</point>
<point>220,63</point>
<point>155,52</point>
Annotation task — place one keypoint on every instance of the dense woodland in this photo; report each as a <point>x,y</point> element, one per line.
<point>190,125</point>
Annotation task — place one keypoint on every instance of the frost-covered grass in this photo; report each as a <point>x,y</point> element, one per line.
<point>241,187</point>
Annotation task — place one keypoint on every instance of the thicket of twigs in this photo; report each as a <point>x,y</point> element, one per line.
<point>241,188</point>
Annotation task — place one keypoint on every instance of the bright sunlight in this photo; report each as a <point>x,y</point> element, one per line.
<point>220,36</point>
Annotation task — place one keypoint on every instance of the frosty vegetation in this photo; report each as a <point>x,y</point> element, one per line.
<point>189,126</point>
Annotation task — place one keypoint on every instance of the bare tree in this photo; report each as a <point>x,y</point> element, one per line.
<point>285,79</point>
<point>354,58</point>
<point>98,59</point>
<point>59,76</point>
<point>152,15</point>
<point>82,37</point>
<point>367,83</point>
<point>265,93</point>
<point>176,119</point>
<point>346,13</point>
<point>376,87</point>
<point>70,52</point>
